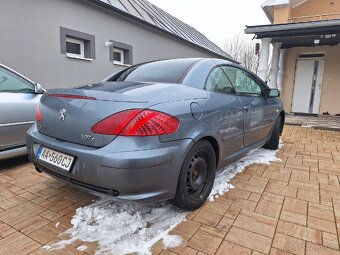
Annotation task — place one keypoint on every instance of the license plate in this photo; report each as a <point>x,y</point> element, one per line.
<point>55,158</point>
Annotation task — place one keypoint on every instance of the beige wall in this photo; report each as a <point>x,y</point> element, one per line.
<point>309,11</point>
<point>281,15</point>
<point>330,98</point>
<point>316,7</point>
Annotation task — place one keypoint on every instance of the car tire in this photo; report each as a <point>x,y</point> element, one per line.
<point>274,141</point>
<point>196,178</point>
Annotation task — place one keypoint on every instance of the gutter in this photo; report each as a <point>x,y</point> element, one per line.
<point>291,26</point>
<point>142,21</point>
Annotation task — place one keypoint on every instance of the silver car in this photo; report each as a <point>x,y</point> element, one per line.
<point>19,97</point>
<point>156,131</point>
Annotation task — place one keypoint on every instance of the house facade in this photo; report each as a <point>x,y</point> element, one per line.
<point>64,43</point>
<point>305,53</point>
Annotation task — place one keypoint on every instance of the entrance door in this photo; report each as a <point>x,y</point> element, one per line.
<point>308,85</point>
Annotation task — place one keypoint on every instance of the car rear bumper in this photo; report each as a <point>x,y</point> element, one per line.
<point>143,170</point>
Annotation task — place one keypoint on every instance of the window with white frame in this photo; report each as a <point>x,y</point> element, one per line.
<point>118,56</point>
<point>74,47</point>
<point>120,53</point>
<point>76,44</point>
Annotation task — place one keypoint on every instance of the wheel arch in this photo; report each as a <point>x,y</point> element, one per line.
<point>283,118</point>
<point>215,146</point>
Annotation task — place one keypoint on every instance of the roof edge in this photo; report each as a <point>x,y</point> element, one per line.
<point>269,4</point>
<point>291,26</point>
<point>142,21</point>
<point>269,16</point>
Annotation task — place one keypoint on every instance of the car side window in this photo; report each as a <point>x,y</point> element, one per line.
<point>218,81</point>
<point>13,83</point>
<point>243,82</point>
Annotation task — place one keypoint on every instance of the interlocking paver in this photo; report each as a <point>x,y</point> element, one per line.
<point>289,244</point>
<point>321,213</point>
<point>282,190</point>
<point>225,224</point>
<point>269,208</point>
<point>298,231</point>
<point>308,195</point>
<point>254,225</point>
<point>32,224</point>
<point>313,249</point>
<point>275,251</point>
<point>207,239</point>
<point>330,240</point>
<point>46,233</point>
<point>244,204</point>
<point>295,205</point>
<point>289,207</point>
<point>294,217</point>
<point>6,230</point>
<point>320,224</point>
<point>232,248</point>
<point>17,244</point>
<point>249,239</point>
<point>184,250</point>
<point>207,217</point>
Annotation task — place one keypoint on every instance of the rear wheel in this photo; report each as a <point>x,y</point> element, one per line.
<point>274,141</point>
<point>196,177</point>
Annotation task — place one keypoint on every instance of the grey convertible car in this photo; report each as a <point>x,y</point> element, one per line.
<point>156,131</point>
<point>19,97</point>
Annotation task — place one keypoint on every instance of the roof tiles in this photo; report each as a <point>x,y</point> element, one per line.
<point>155,16</point>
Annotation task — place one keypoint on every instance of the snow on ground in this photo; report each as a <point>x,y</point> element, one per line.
<point>259,156</point>
<point>126,227</point>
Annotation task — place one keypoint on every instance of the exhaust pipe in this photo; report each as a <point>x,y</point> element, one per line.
<point>38,170</point>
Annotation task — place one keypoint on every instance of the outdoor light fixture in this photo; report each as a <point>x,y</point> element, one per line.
<point>109,44</point>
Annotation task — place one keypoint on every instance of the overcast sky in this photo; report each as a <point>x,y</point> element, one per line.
<point>216,19</point>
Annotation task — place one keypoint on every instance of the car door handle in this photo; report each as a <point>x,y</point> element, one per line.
<point>246,108</point>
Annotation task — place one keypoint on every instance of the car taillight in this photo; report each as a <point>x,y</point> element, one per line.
<point>38,114</point>
<point>137,122</point>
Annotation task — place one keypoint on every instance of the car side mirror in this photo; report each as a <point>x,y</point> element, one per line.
<point>272,93</point>
<point>38,89</point>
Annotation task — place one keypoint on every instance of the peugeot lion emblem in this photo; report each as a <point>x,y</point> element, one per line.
<point>62,114</point>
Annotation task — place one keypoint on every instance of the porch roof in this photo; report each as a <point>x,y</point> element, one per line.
<point>325,32</point>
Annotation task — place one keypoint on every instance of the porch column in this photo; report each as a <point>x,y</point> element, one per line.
<point>281,71</point>
<point>274,69</point>
<point>264,58</point>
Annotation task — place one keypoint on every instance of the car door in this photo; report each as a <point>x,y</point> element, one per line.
<point>227,112</point>
<point>258,111</point>
<point>18,102</point>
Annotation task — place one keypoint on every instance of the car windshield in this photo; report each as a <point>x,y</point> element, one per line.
<point>166,71</point>
<point>11,82</point>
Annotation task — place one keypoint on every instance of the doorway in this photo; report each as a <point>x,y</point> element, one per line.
<point>308,83</point>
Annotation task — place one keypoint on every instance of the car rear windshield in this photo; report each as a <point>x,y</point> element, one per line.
<point>165,71</point>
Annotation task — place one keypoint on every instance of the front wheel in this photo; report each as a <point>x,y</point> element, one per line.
<point>196,177</point>
<point>274,141</point>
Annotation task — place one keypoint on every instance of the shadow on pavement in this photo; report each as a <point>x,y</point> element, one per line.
<point>13,162</point>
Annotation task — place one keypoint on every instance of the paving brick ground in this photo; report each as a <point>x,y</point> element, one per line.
<point>288,207</point>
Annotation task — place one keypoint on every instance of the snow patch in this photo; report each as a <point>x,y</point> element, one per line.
<point>281,145</point>
<point>172,241</point>
<point>82,248</point>
<point>258,156</point>
<point>123,227</point>
<point>127,227</point>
